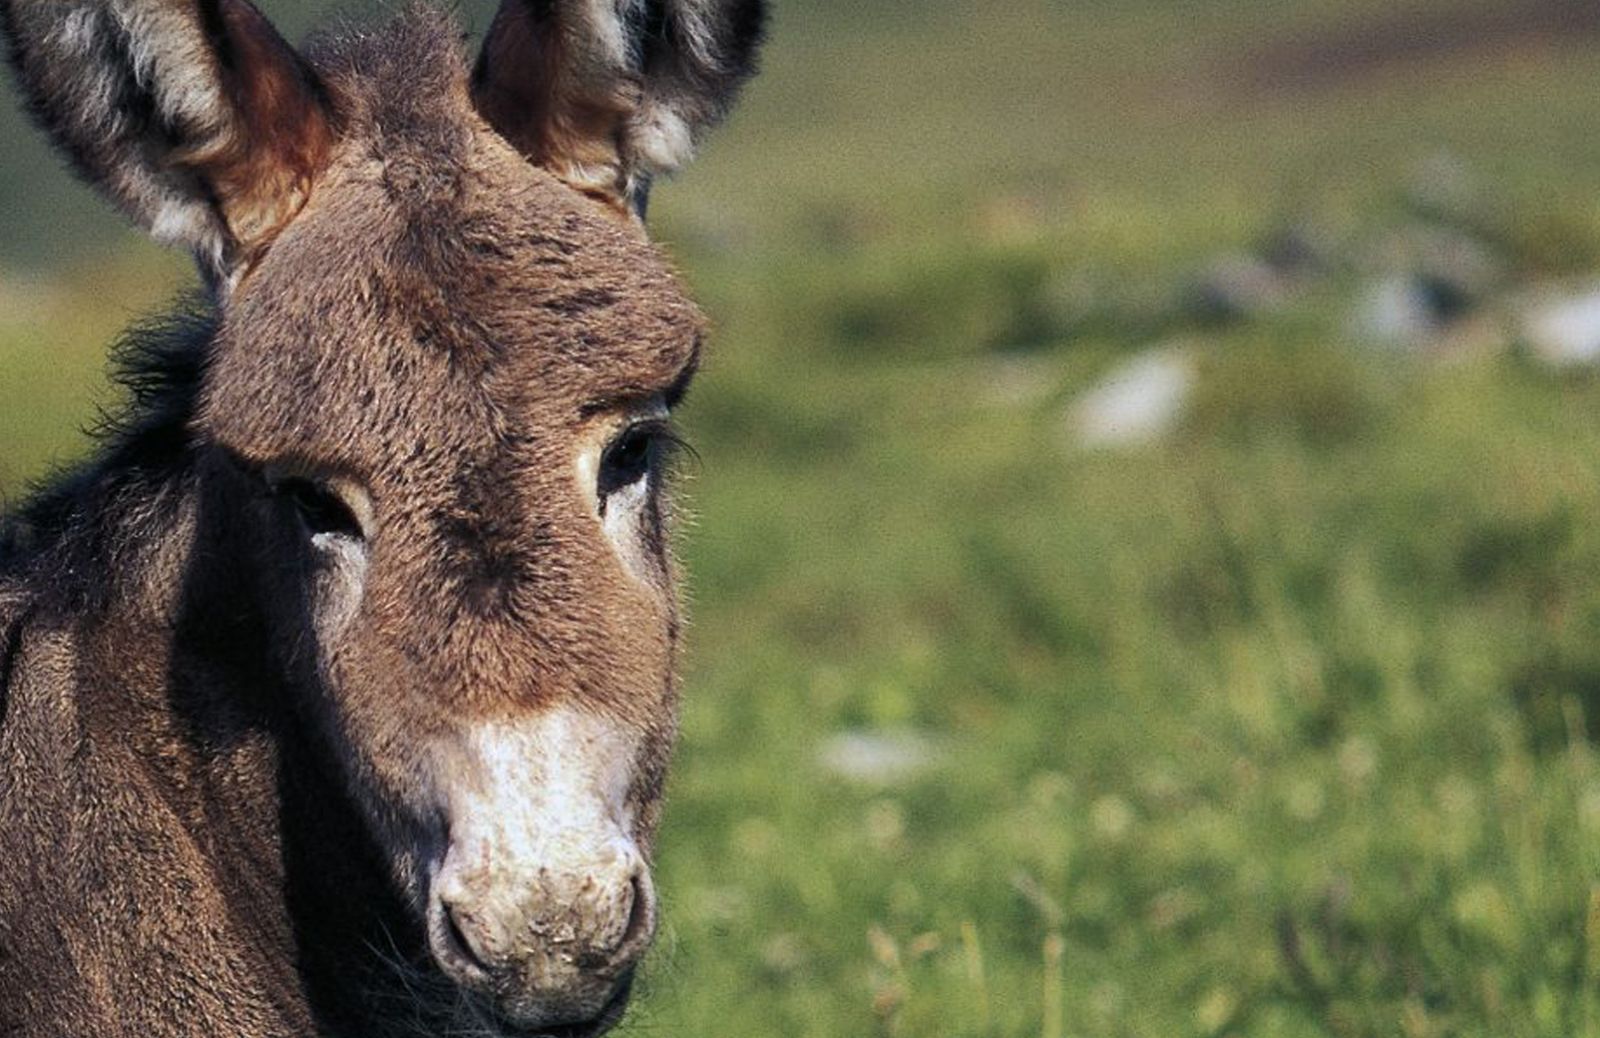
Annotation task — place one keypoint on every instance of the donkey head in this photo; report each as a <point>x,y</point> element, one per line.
<point>436,411</point>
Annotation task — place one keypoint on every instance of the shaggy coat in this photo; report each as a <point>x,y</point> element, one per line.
<point>336,691</point>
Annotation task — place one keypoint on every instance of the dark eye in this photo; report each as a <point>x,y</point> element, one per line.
<point>629,458</point>
<point>322,510</point>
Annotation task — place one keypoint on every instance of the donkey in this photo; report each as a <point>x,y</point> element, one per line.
<point>336,692</point>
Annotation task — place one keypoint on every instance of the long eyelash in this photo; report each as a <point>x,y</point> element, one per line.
<point>673,447</point>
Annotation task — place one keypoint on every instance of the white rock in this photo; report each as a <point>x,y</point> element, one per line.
<point>1138,402</point>
<point>1396,311</point>
<point>1565,332</point>
<point>876,758</point>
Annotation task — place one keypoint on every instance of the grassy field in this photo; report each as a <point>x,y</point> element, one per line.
<point>1281,724</point>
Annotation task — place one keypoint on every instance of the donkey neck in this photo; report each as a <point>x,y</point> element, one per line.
<point>164,682</point>
<point>134,561</point>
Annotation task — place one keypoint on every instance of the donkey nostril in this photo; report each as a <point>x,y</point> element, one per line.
<point>641,921</point>
<point>461,941</point>
<point>450,938</point>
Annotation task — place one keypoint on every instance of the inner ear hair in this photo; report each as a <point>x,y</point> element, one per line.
<point>611,95</point>
<point>261,173</point>
<point>194,116</point>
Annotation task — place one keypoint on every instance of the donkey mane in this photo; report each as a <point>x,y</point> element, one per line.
<point>63,534</point>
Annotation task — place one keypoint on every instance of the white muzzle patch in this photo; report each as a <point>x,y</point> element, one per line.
<point>543,898</point>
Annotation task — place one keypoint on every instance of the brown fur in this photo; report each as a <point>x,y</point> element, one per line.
<point>262,172</point>
<point>217,808</point>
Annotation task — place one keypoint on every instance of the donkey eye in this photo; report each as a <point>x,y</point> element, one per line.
<point>322,510</point>
<point>629,458</point>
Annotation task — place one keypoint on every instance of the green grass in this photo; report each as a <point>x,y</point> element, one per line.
<point>1282,726</point>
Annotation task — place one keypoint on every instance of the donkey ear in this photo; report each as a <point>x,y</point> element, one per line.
<point>193,115</point>
<point>607,94</point>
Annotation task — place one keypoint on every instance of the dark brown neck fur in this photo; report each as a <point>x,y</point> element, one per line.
<point>156,802</point>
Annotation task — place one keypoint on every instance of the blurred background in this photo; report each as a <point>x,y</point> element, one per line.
<point>1146,558</point>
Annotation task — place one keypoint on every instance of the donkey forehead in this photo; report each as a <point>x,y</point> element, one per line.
<point>461,284</point>
<point>494,265</point>
<point>437,268</point>
<point>470,241</point>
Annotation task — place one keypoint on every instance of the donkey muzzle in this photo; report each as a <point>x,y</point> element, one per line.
<point>543,902</point>
<point>555,947</point>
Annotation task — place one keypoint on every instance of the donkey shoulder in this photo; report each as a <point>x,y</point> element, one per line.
<point>100,848</point>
